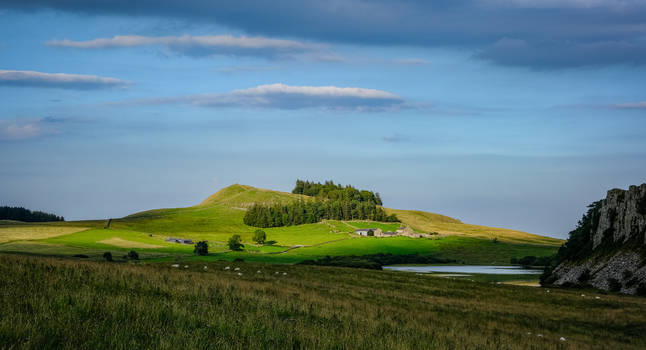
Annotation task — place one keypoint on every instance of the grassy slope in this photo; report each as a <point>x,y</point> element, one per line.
<point>53,303</point>
<point>430,222</point>
<point>220,216</point>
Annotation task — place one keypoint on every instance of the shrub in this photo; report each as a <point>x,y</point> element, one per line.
<point>238,260</point>
<point>495,240</point>
<point>614,285</point>
<point>633,281</point>
<point>107,256</point>
<point>201,248</point>
<point>235,242</point>
<point>641,289</point>
<point>627,274</point>
<point>132,255</point>
<point>585,276</point>
<point>259,236</point>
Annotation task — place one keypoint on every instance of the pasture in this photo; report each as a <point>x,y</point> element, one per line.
<point>72,304</point>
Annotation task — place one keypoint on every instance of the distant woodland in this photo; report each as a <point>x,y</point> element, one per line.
<point>333,202</point>
<point>22,214</point>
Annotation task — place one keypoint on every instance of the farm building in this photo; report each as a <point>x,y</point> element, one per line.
<point>368,232</point>
<point>179,240</point>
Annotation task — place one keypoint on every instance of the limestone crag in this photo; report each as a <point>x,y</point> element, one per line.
<point>617,259</point>
<point>622,215</point>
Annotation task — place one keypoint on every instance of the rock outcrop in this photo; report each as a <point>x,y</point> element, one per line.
<point>611,244</point>
<point>622,216</point>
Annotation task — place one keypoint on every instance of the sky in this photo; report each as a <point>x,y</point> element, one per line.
<point>515,113</point>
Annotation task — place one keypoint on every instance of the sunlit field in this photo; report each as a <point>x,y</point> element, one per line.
<point>53,303</point>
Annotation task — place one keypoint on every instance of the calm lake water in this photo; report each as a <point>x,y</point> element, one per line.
<point>490,270</point>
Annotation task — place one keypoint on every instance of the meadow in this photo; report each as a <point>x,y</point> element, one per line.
<point>221,215</point>
<point>73,304</point>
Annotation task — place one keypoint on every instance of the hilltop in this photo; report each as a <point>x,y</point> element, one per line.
<point>221,215</point>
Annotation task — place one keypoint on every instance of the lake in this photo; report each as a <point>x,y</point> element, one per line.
<point>475,269</point>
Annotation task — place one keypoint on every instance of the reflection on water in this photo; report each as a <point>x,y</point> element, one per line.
<point>490,270</point>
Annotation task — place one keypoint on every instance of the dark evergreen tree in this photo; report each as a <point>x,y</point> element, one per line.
<point>22,214</point>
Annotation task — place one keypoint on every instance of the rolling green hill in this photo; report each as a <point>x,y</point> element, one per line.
<point>221,215</point>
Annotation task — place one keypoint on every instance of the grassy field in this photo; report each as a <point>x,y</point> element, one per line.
<point>55,303</point>
<point>221,215</point>
<point>21,232</point>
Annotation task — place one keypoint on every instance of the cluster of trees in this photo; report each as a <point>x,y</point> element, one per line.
<point>334,202</point>
<point>201,248</point>
<point>22,214</point>
<point>335,192</point>
<point>375,261</point>
<point>531,260</point>
<point>579,243</point>
<point>299,213</point>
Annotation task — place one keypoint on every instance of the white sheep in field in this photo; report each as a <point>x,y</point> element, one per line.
<point>239,273</point>
<point>236,269</point>
<point>227,268</point>
<point>175,265</point>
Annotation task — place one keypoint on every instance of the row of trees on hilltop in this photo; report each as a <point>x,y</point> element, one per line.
<point>22,214</point>
<point>335,192</point>
<point>299,213</point>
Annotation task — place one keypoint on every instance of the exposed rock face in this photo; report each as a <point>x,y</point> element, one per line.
<point>623,215</point>
<point>617,260</point>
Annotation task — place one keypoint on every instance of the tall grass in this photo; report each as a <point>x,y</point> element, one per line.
<point>54,303</point>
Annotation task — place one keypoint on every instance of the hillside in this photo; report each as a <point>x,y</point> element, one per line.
<point>221,215</point>
<point>243,196</point>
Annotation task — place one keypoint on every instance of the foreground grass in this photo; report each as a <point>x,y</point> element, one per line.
<point>52,303</point>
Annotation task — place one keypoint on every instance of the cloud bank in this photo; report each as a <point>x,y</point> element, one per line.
<point>632,105</point>
<point>547,34</point>
<point>198,45</point>
<point>57,80</point>
<point>281,96</point>
<point>14,130</point>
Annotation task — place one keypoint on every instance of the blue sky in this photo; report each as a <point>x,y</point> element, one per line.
<point>513,114</point>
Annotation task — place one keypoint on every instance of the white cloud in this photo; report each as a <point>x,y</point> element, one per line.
<point>57,80</point>
<point>617,4</point>
<point>283,96</point>
<point>200,45</point>
<point>411,61</point>
<point>11,130</point>
<point>632,105</point>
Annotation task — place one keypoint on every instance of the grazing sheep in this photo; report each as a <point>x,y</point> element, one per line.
<point>236,269</point>
<point>239,273</point>
<point>562,339</point>
<point>175,265</point>
<point>284,273</point>
<point>186,266</point>
<point>227,268</point>
<point>258,271</point>
<point>205,268</point>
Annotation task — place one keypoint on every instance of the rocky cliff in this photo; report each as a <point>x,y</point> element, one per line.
<point>608,248</point>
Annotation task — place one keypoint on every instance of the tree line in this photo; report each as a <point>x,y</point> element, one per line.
<point>334,202</point>
<point>335,192</point>
<point>23,214</point>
